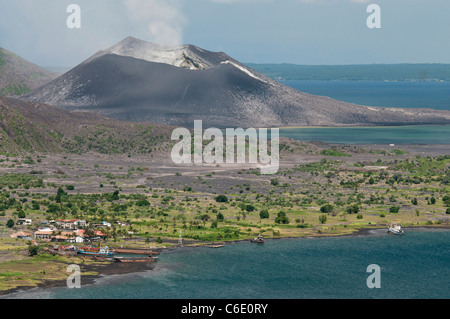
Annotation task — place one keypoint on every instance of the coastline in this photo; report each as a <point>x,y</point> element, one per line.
<point>113,268</point>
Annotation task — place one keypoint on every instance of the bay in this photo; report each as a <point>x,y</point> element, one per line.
<point>434,95</point>
<point>414,134</point>
<point>415,265</point>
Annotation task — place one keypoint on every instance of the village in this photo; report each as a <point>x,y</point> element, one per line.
<point>63,230</point>
<point>67,234</point>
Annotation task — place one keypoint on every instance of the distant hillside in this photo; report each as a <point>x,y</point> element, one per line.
<point>18,76</point>
<point>34,127</point>
<point>362,72</point>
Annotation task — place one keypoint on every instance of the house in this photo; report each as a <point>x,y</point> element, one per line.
<point>106,224</point>
<point>71,223</point>
<point>21,235</point>
<point>123,224</point>
<point>49,228</point>
<point>23,221</point>
<point>81,235</point>
<point>43,234</point>
<point>77,236</point>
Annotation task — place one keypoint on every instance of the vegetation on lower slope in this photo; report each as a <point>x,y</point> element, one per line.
<point>29,128</point>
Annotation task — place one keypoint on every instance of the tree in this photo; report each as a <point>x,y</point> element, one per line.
<point>323,218</point>
<point>414,201</point>
<point>328,208</point>
<point>446,200</point>
<point>115,196</point>
<point>447,211</point>
<point>249,208</point>
<point>282,218</point>
<point>33,250</point>
<point>274,182</point>
<point>60,194</point>
<point>10,223</point>
<point>264,214</point>
<point>142,202</point>
<point>220,217</point>
<point>353,209</point>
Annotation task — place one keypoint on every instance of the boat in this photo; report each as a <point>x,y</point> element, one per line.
<point>395,229</point>
<point>257,240</point>
<point>96,252</point>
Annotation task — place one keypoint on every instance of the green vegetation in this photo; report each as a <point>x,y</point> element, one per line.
<point>333,152</point>
<point>14,89</point>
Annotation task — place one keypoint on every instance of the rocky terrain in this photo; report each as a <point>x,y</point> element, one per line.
<point>139,81</point>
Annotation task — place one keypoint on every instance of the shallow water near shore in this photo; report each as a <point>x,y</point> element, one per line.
<point>415,265</point>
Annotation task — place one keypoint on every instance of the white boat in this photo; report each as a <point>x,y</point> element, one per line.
<point>395,229</point>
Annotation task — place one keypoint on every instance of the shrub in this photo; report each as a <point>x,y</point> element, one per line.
<point>394,209</point>
<point>221,199</point>
<point>274,182</point>
<point>323,218</point>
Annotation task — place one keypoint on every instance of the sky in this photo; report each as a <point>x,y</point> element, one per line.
<point>310,32</point>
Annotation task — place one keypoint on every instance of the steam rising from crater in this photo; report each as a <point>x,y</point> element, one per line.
<point>165,20</point>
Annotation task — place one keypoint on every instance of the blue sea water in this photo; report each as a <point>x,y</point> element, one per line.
<point>415,265</point>
<point>434,95</point>
<point>418,134</point>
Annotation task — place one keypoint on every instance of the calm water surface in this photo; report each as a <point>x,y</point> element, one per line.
<point>416,265</point>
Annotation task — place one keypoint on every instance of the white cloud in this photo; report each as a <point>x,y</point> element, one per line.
<point>164,19</point>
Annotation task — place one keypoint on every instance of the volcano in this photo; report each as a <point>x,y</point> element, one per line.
<point>140,81</point>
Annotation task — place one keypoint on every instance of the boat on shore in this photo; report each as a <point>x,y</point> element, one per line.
<point>257,240</point>
<point>96,252</point>
<point>395,229</point>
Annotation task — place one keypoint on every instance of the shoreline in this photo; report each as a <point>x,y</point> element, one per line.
<point>114,268</point>
<point>358,126</point>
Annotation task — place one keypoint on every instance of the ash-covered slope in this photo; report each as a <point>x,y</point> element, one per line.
<point>139,81</point>
<point>18,76</point>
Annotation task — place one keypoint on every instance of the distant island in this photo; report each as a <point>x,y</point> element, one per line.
<point>356,72</point>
